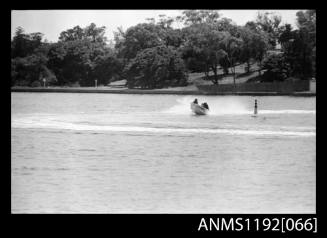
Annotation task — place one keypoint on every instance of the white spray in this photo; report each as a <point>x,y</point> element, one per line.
<point>217,105</point>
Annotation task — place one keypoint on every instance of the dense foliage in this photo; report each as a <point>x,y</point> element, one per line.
<point>156,67</point>
<point>156,55</point>
<point>277,68</point>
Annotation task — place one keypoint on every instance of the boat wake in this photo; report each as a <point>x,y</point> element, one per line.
<point>30,123</point>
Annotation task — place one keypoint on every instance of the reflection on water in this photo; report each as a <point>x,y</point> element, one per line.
<point>104,153</point>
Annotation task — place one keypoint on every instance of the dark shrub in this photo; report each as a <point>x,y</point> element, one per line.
<point>276,68</point>
<point>36,84</point>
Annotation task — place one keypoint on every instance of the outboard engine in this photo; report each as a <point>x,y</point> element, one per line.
<point>205,105</point>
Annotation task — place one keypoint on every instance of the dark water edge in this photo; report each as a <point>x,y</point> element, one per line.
<point>154,91</point>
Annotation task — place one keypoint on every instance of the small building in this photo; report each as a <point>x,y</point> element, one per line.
<point>118,84</point>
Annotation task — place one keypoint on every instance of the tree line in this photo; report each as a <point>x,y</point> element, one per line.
<point>154,54</point>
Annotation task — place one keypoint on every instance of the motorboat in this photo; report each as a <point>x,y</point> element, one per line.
<point>199,109</point>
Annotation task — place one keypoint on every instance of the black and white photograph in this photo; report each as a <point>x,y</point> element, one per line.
<point>202,111</point>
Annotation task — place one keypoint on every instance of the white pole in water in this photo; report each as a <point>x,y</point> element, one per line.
<point>255,107</point>
<point>44,82</point>
<point>96,83</point>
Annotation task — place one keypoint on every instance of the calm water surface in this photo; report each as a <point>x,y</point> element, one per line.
<point>111,153</point>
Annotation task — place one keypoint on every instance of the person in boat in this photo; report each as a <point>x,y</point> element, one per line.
<point>195,101</point>
<point>205,105</point>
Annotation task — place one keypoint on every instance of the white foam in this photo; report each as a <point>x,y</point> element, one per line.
<point>286,112</point>
<point>20,123</point>
<point>217,107</point>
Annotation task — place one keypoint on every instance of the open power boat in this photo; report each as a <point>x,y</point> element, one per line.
<point>198,109</point>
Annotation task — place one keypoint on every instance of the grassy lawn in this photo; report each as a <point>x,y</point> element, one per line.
<point>241,76</point>
<point>198,79</point>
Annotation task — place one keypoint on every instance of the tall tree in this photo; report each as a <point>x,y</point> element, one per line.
<point>138,38</point>
<point>95,34</point>
<point>226,24</point>
<point>260,45</point>
<point>299,46</point>
<point>192,17</point>
<point>26,70</point>
<point>23,44</point>
<point>248,48</point>
<point>232,46</point>
<point>269,23</point>
<point>91,32</point>
<point>156,67</point>
<point>108,67</point>
<point>76,33</point>
<point>205,43</point>
<point>29,59</point>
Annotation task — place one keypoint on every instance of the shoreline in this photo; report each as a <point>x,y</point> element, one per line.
<point>155,91</point>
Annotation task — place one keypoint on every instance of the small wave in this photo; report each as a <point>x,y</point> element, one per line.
<point>24,168</point>
<point>87,150</point>
<point>28,168</point>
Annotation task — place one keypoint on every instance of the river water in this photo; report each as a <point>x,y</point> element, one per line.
<point>112,153</point>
